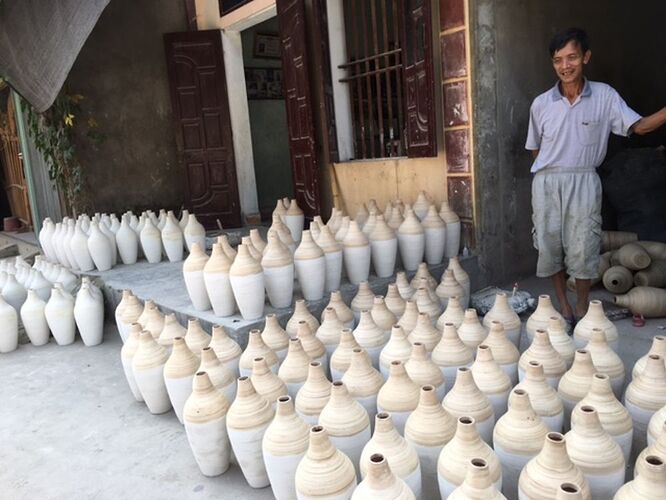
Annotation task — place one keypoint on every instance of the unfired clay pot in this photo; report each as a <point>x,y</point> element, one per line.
<point>649,483</point>
<point>540,318</point>
<point>543,398</point>
<point>606,360</point>
<point>491,380</point>
<point>453,313</point>
<point>247,282</point>
<point>344,313</point>
<point>294,369</point>
<point>448,288</point>
<point>148,369</point>
<point>301,313</point>
<point>477,483</point>
<point>646,300</point>
<point>542,350</point>
<point>384,247</point>
<point>356,251</point>
<point>179,371</point>
<point>265,382</point>
<point>341,358</point>
<point>275,337</point>
<point>502,312</point>
<point>411,241</point>
<point>398,348</point>
<point>399,396</point>
<point>381,483</point>
<point>278,266</point>
<point>333,259</point>
<point>126,355</point>
<point>575,383</point>
<point>471,331</point>
<point>256,348</point>
<point>423,371</point>
<point>363,381</point>
<point>314,394</point>
<point>595,318</point>
<point>450,354</point>
<point>310,268</point>
<point>227,350</point>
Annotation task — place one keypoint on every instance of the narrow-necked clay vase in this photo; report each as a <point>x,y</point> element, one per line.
<point>658,347</point>
<point>324,471</point>
<point>341,357</point>
<point>471,331</point>
<point>363,300</point>
<point>217,282</point>
<point>543,475</point>
<point>408,319</point>
<point>595,318</point>
<point>435,236</point>
<point>381,483</point>
<point>247,282</point>
<point>542,350</point>
<point>453,229</point>
<point>257,241</point>
<point>450,354</point>
<point>247,420</point>
<point>310,267</point>
<point>423,371</point>
<point>151,242</point>
<point>491,380</point>
<point>543,398</point>
<point>275,337</point>
<point>398,348</point>
<point>284,445</point>
<point>179,371</point>
<point>172,239</point>
<point>294,220</point>
<point>154,320</point>
<point>59,313</point>
<point>505,352</point>
<point>356,250</point>
<point>130,313</point>
<point>404,286</point>
<point>427,303</point>
<point>561,341</point>
<point>148,368</point>
<point>518,437</point>
<point>395,218</point>
<point>100,248</point>
<point>194,232</point>
<point>301,313</point>
<point>265,382</point>
<point>649,482</point>
<point>205,419</point>
<point>370,337</point>
<point>425,333</point>
<point>193,273</point>
<point>456,454</point>
<point>33,319</point>
<point>646,300</point>
<point>227,349</point>
<point>256,348</point>
<point>394,302</point>
<point>382,316</point>
<point>344,313</point>
<point>632,256</point>
<point>655,425</point>
<point>312,346</point>
<point>346,422</point>
<point>423,272</point>
<point>617,279</point>
<point>540,318</point>
<point>333,259</point>
<point>223,240</point>
<point>283,233</point>
<point>399,396</point>
<point>196,337</point>
<point>504,313</point>
<point>576,382</point>
<point>384,248</point>
<point>411,241</point>
<point>477,484</point>
<point>221,376</point>
<point>448,288</point>
<point>127,353</point>
<point>595,452</point>
<point>462,278</point>
<point>294,369</point>
<point>329,330</point>
<point>657,448</point>
<point>89,315</point>
<point>606,360</point>
<point>363,381</point>
<point>453,313</point>
<point>314,394</point>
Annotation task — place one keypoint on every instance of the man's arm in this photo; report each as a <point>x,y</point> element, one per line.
<point>535,153</point>
<point>649,123</point>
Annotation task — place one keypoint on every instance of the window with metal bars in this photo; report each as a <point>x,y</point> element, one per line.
<point>390,77</point>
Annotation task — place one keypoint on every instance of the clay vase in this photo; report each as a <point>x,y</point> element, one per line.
<point>506,354</point>
<point>543,475</point>
<point>425,333</point>
<point>346,422</point>
<point>422,272</point>
<point>421,205</point>
<point>453,313</point>
<point>617,279</point>
<point>575,383</point>
<point>448,288</point>
<point>151,242</point>
<point>294,219</point>
<point>148,368</point>
<point>154,322</point>
<point>384,248</point>
<point>450,354</point>
<point>356,251</point>
<point>491,380</point>
<point>283,233</point>
<point>612,240</point>
<point>632,256</point>
<point>332,259</point>
<point>170,330</point>
<point>404,287</point>
<point>226,349</point>
<point>540,318</point>
<point>370,337</point>
<point>280,210</point>
<point>59,313</point>
<point>645,300</point>
<point>409,318</point>
<point>560,341</point>
<point>89,316</point>
<point>314,394</point>
<point>329,330</point>
<point>518,437</point>
<point>462,278</point>
<point>456,454</point>
<point>423,371</point>
<point>342,310</point>
<point>301,313</point>
<point>33,319</point>
<point>196,337</point>
<point>222,378</point>
<point>310,267</point>
<point>606,361</point>
<point>14,293</point>
<point>477,483</point>
<point>247,420</point>
<point>79,248</point>
<point>657,448</point>
<point>453,228</point>
<point>265,382</point>
<point>411,241</point>
<point>363,381</point>
<point>398,348</point>
<point>193,274</point>
<point>395,218</point>
<point>394,302</point>
<point>294,369</point>
<point>543,398</point>
<point>655,425</point>
<point>435,236</point>
<point>541,350</point>
<point>649,482</point>
<point>400,455</point>
<point>9,328</point>
<point>324,471</point>
<point>645,395</point>
<point>595,452</point>
<point>257,241</point>
<point>284,445</point>
<point>100,249</point>
<point>179,371</point>
<point>341,357</point>
<point>399,396</point>
<point>595,318</point>
<point>217,283</point>
<point>127,353</point>
<point>427,303</point>
<point>381,483</point>
<point>130,313</point>
<point>658,347</point>
<point>342,231</point>
<point>223,241</point>
<point>471,331</point>
<point>172,239</point>
<point>654,275</point>
<point>256,348</point>
<point>247,283</point>
<point>312,346</point>
<point>194,232</point>
<point>275,337</point>
<point>382,316</point>
<point>502,312</point>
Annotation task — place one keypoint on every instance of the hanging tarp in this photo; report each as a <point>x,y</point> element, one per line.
<point>39,42</point>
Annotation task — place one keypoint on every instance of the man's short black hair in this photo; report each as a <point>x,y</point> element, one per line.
<point>576,35</point>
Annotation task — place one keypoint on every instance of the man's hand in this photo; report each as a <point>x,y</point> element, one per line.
<point>535,153</point>
<point>649,123</point>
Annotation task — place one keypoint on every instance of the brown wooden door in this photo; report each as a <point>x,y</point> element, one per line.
<point>298,100</point>
<point>203,129</point>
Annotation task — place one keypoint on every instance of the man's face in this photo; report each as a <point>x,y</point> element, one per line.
<point>569,62</point>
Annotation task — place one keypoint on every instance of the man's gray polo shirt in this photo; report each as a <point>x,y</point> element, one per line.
<point>576,135</point>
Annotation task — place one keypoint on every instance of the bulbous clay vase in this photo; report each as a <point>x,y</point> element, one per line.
<point>477,483</point>
<point>395,218</point>
<point>381,483</point>
<point>148,369</point>
<point>655,425</point>
<point>196,337</point>
<point>606,360</point>
<point>658,347</point>
<point>657,448</point>
<point>222,378</point>
<point>448,288</point>
<point>595,318</point>
<point>612,240</point>
<point>346,422</point>
<point>363,381</point>
<point>280,210</point>
<point>450,354</point>
<point>130,313</point>
<point>294,220</point>
<point>649,482</point>
<point>543,475</point>
<point>394,302</point>
<point>301,313</point>
<point>491,380</point>
<point>408,319</point>
<point>333,259</point>
<point>502,312</point>
<point>382,316</point>
<point>341,358</point>
<point>423,371</point>
<point>154,320</point>
<point>399,396</point>
<point>247,420</point>
<point>265,382</point>
<point>223,241</point>
<point>127,355</point>
<point>247,282</point>
<point>275,337</point>
<point>575,383</point>
<point>644,396</point>
<point>453,313</point>
<point>466,399</point>
<point>654,275</point>
<point>324,471</point>
<point>518,437</point>
<point>456,454</point>
<point>453,228</point>
<point>540,318</point>
<point>329,330</point>
<point>398,348</point>
<point>384,248</point>
<point>226,349</point>
<point>205,419</point>
<point>314,394</point>
<point>543,398</point>
<point>256,348</point>
<point>425,333</point>
<point>542,350</point>
<point>100,248</point>
<point>33,319</point>
<point>312,346</point>
<point>342,231</point>
<point>151,242</point>
<point>404,287</point>
<point>193,273</point>
<point>294,369</point>
<point>342,310</point>
<point>423,272</point>
<point>284,445</point>
<point>59,313</point>
<point>595,452</point>
<point>421,205</point>
<point>400,455</point>
<point>172,239</point>
<point>217,283</point>
<point>356,251</point>
<point>632,256</point>
<point>411,241</point>
<point>471,331</point>
<point>428,429</point>
<point>310,265</point>
<point>179,372</point>
<point>646,300</point>
<point>617,279</point>
<point>194,232</point>
<point>363,300</point>
<point>435,236</point>
<point>370,337</point>
<point>561,341</point>
<point>89,316</point>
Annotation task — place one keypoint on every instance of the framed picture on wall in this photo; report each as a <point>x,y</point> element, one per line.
<point>264,83</point>
<point>267,45</point>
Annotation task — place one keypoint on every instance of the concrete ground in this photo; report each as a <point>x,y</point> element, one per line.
<point>70,428</point>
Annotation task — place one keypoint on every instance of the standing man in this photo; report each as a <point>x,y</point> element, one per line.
<point>568,136</point>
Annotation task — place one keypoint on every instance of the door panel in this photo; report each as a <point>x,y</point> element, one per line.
<point>203,129</point>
